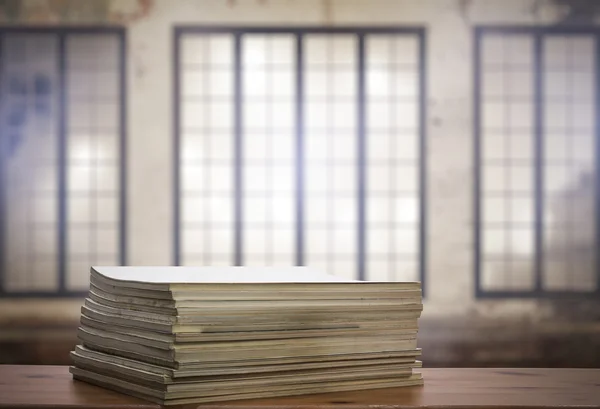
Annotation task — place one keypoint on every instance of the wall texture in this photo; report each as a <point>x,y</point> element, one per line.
<point>454,320</point>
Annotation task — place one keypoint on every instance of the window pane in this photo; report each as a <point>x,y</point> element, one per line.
<point>31,114</point>
<point>494,242</point>
<point>207,148</point>
<point>569,182</point>
<point>29,148</point>
<point>268,162</point>
<point>494,210</point>
<point>331,74</point>
<point>86,177</point>
<point>508,162</point>
<point>269,75</point>
<point>392,162</point>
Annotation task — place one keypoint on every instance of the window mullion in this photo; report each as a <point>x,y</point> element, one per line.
<point>238,152</point>
<point>62,164</point>
<point>422,161</point>
<point>597,159</point>
<point>299,150</point>
<point>361,158</point>
<point>122,151</point>
<point>539,160</point>
<point>477,151</point>
<point>3,153</point>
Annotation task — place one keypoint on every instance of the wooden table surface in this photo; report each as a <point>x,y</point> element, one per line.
<point>52,386</point>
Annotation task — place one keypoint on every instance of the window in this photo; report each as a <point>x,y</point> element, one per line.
<point>301,147</point>
<point>62,168</point>
<point>536,230</point>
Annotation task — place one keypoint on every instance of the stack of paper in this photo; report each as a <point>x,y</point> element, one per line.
<point>177,335</point>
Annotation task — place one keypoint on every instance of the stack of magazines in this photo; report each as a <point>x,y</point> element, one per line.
<point>178,335</point>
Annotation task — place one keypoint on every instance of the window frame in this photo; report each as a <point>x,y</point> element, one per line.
<point>538,33</point>
<point>61,34</point>
<point>361,31</point>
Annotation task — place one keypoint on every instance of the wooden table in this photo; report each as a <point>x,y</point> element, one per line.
<point>52,386</point>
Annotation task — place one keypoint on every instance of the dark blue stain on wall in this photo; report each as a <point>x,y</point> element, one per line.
<point>14,141</point>
<point>42,91</point>
<point>17,86</point>
<point>16,116</point>
<point>16,112</point>
<point>15,121</point>
<point>22,93</point>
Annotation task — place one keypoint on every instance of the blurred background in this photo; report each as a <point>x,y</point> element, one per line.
<point>453,142</point>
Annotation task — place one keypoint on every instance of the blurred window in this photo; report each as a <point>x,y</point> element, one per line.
<point>536,159</point>
<point>301,147</point>
<point>61,167</point>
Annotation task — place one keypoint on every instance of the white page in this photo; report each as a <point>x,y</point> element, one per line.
<point>170,274</point>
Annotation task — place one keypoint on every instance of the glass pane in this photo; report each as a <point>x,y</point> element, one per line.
<point>569,185</point>
<point>521,211</point>
<point>269,75</point>
<point>392,165</point>
<point>521,179</point>
<point>495,242</point>
<point>379,270</point>
<point>494,84</point>
<point>95,59</point>
<point>207,149</point>
<point>29,121</point>
<point>493,50</point>
<point>220,50</point>
<point>406,270</point>
<point>495,179</point>
<point>494,210</point>
<point>493,272</point>
<point>519,84</point>
<point>521,244</point>
<point>330,86</point>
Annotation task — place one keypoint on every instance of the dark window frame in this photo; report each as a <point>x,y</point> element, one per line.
<point>538,33</point>
<point>61,33</point>
<point>360,31</point>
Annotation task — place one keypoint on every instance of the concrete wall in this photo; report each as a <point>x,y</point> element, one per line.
<point>449,26</point>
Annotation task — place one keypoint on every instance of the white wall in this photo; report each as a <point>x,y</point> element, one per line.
<point>449,116</point>
<point>449,26</point>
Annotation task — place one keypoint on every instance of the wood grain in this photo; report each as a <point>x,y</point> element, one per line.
<point>52,386</point>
